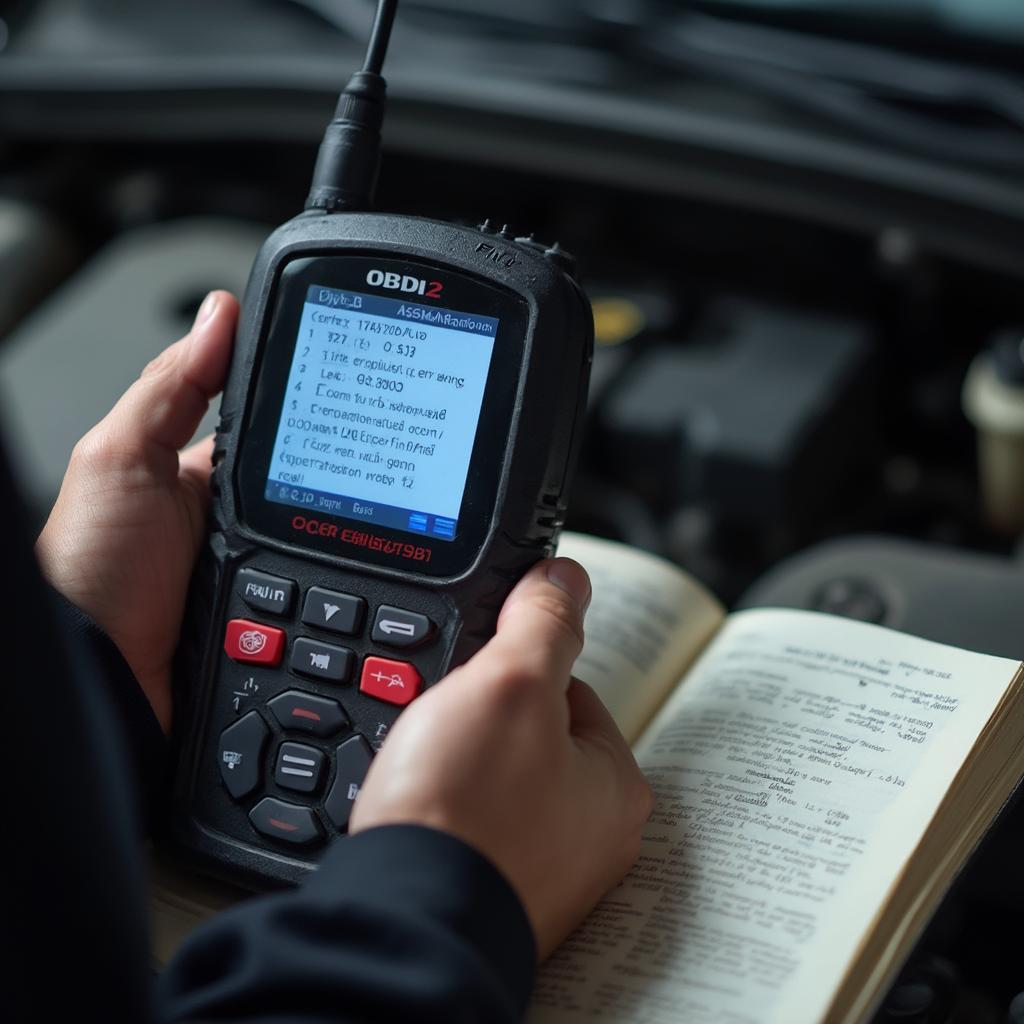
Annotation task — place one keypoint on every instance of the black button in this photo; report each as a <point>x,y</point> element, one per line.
<point>303,711</point>
<point>322,661</point>
<point>298,767</point>
<point>239,753</point>
<point>290,822</point>
<point>395,627</point>
<point>340,613</point>
<point>353,760</point>
<point>265,592</point>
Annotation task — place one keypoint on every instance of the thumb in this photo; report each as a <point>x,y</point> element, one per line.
<point>540,628</point>
<point>160,412</point>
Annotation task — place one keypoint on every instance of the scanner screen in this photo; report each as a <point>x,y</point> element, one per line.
<point>381,411</point>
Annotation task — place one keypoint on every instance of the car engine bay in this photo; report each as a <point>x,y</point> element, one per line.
<point>809,343</point>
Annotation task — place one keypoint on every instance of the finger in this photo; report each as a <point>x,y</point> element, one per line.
<point>592,724</point>
<point>162,409</point>
<point>590,717</point>
<point>212,340</point>
<point>195,465</point>
<point>540,628</point>
<point>196,461</point>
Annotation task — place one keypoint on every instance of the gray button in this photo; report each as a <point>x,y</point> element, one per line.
<point>240,753</point>
<point>318,715</point>
<point>321,661</point>
<point>289,822</point>
<point>339,613</point>
<point>395,627</point>
<point>299,767</point>
<point>353,759</point>
<point>264,592</point>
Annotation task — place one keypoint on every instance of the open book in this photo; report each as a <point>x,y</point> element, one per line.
<point>819,782</point>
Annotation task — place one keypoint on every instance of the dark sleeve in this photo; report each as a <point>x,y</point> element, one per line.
<point>399,924</point>
<point>142,736</point>
<point>74,922</point>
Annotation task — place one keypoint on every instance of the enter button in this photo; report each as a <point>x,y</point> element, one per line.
<point>396,627</point>
<point>397,682</point>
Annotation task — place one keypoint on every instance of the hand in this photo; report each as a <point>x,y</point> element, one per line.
<point>122,538</point>
<point>516,758</point>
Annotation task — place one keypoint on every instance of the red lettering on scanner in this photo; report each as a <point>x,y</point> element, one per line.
<point>314,527</point>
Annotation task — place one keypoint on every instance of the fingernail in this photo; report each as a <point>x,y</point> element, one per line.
<point>206,309</point>
<point>571,577</point>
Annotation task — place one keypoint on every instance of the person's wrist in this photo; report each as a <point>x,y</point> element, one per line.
<point>441,877</point>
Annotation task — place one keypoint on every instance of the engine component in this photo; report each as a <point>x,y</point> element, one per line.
<point>759,419</point>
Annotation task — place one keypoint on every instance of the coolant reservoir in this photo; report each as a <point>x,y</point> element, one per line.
<point>993,400</point>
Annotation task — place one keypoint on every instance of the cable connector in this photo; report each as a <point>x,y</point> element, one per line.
<point>345,176</point>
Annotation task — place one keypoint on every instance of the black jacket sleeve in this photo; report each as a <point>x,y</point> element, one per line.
<point>74,922</point>
<point>400,924</point>
<point>145,743</point>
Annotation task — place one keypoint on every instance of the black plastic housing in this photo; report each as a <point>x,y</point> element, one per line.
<point>537,456</point>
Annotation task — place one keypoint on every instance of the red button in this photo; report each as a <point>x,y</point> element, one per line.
<point>252,642</point>
<point>397,682</point>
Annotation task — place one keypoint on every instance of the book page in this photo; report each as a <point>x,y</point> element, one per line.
<point>795,771</point>
<point>646,622</point>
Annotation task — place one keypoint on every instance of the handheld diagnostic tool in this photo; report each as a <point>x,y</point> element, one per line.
<point>395,444</point>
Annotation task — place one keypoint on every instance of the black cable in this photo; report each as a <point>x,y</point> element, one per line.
<point>922,105</point>
<point>558,42</point>
<point>345,176</point>
<point>380,35</point>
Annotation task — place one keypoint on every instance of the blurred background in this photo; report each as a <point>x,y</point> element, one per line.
<point>801,223</point>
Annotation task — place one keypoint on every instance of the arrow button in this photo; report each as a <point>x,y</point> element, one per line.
<point>240,754</point>
<point>291,823</point>
<point>327,609</point>
<point>306,712</point>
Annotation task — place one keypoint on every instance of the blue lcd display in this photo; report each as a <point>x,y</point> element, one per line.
<point>381,411</point>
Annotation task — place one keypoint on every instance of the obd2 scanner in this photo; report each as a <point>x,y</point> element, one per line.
<point>396,440</point>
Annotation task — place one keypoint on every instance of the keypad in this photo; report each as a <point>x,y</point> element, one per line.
<point>295,761</point>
